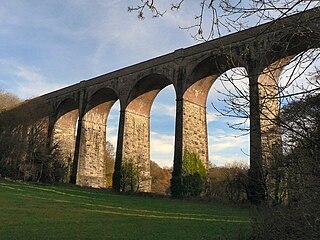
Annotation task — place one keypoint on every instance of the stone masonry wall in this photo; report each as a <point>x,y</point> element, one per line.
<point>64,134</point>
<point>91,170</point>
<point>195,130</point>
<point>268,90</point>
<point>137,146</point>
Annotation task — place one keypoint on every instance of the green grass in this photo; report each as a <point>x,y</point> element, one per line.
<point>30,211</point>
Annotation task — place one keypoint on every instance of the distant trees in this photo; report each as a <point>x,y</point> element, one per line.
<point>109,163</point>
<point>160,178</point>
<point>229,182</point>
<point>7,100</point>
<point>26,155</point>
<point>24,149</point>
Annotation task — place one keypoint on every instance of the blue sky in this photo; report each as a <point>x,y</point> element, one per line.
<point>49,44</point>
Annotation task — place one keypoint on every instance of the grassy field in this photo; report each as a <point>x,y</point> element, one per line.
<point>30,211</point>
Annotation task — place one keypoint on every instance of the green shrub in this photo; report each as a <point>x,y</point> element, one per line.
<point>193,175</point>
<point>129,177</point>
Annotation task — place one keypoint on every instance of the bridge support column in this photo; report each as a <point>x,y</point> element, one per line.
<point>92,151</point>
<point>256,186</point>
<point>176,180</point>
<point>190,134</point>
<point>272,156</point>
<point>265,135</point>
<point>191,128</point>
<point>116,178</point>
<point>136,147</point>
<point>133,147</point>
<point>195,138</point>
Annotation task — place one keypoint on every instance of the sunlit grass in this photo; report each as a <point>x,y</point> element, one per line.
<point>30,211</point>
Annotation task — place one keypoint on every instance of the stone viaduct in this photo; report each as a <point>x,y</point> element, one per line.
<point>77,114</point>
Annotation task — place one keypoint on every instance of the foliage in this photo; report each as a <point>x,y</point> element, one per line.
<point>176,186</point>
<point>229,182</point>
<point>130,177</point>
<point>160,178</point>
<point>32,211</point>
<point>25,152</point>
<point>299,219</point>
<point>26,155</point>
<point>287,222</point>
<point>109,163</point>
<point>193,174</point>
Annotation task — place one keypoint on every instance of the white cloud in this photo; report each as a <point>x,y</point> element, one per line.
<point>162,148</point>
<point>111,129</point>
<point>222,160</point>
<point>29,74</point>
<point>211,117</point>
<point>226,148</point>
<point>161,109</point>
<point>112,139</point>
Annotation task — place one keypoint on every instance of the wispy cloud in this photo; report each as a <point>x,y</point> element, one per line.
<point>25,81</point>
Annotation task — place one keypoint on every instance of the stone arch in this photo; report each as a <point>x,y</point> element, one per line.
<point>92,148</point>
<point>100,96</point>
<point>196,90</point>
<point>141,96</point>
<point>292,44</point>
<point>66,106</point>
<point>204,73</point>
<point>271,136</point>
<point>136,137</point>
<point>64,130</point>
<point>265,135</point>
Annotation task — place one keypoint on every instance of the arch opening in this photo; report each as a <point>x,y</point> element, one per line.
<point>228,119</point>
<point>205,132</point>
<point>111,141</point>
<point>162,129</point>
<point>297,82</point>
<point>65,131</point>
<point>136,142</point>
<point>195,100</point>
<point>228,138</point>
<point>94,162</point>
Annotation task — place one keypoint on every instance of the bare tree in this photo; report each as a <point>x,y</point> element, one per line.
<point>8,100</point>
<point>214,18</point>
<point>288,78</point>
<point>24,150</point>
